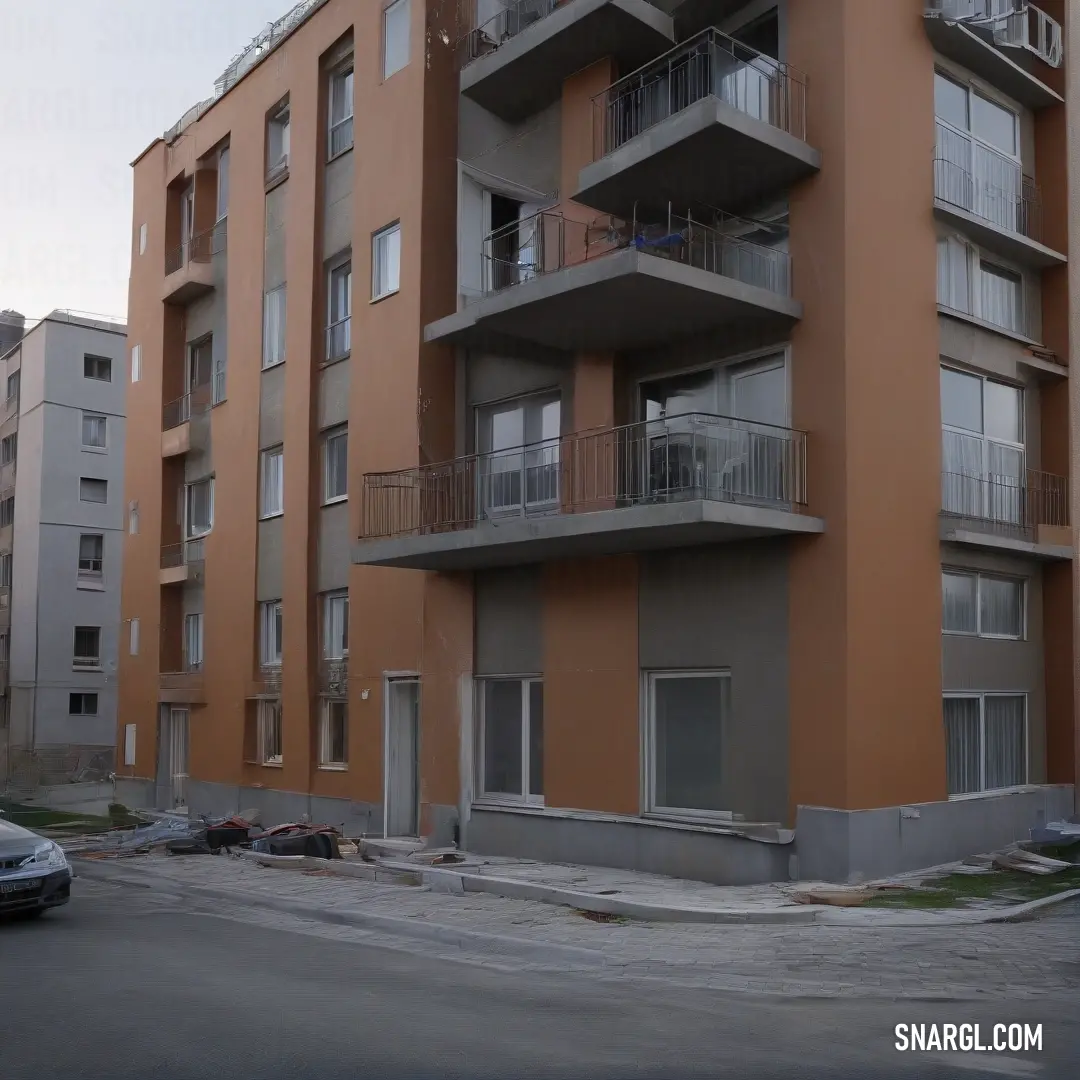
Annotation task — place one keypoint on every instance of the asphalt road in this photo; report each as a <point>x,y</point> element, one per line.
<point>127,982</point>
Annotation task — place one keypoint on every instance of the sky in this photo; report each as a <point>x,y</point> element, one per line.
<point>85,87</point>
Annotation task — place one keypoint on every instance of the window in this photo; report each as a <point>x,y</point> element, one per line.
<point>341,112</point>
<point>277,143</point>
<point>336,465</point>
<point>5,648</point>
<point>272,483</point>
<point>133,637</point>
<point>8,447</point>
<point>5,570</point>
<point>193,642</point>
<point>7,511</point>
<point>133,518</point>
<point>142,239</point>
<point>982,604</point>
<point>91,555</point>
<point>136,363</point>
<point>83,704</point>
<point>511,472</point>
<point>339,327</point>
<point>395,37</point>
<point>199,508</point>
<point>687,714</point>
<point>187,217</point>
<point>386,259</point>
<point>129,743</point>
<point>274,327</point>
<point>984,289</point>
<point>94,430</point>
<point>985,742</point>
<point>335,626</point>
<point>270,732</point>
<point>983,459</point>
<point>87,652</point>
<point>511,730</point>
<point>334,735</point>
<point>97,367</point>
<point>93,490</point>
<point>13,385</point>
<point>270,633</point>
<point>223,184</point>
<point>200,363</point>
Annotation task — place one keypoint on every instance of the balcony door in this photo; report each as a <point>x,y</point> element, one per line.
<point>518,446</point>
<point>747,77</point>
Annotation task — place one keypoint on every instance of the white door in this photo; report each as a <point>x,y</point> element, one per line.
<point>759,463</point>
<point>402,761</point>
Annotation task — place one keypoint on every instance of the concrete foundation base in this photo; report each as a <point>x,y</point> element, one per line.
<point>860,845</point>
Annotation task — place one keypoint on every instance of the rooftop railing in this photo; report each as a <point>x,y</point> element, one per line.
<point>501,27</point>
<point>727,245</point>
<point>677,458</point>
<point>1008,505</point>
<point>708,65</point>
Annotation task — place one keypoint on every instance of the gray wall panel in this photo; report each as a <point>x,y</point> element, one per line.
<point>509,624</point>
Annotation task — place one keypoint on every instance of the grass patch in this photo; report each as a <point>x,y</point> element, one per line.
<point>959,890</point>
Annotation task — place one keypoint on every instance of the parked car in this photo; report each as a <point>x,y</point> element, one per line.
<point>34,872</point>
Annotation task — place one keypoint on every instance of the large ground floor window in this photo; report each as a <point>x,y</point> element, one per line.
<point>985,742</point>
<point>687,713</point>
<point>510,750</point>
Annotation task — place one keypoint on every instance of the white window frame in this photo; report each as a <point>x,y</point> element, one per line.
<point>980,576</point>
<point>331,436</point>
<point>652,807</point>
<point>193,641</point>
<point>398,60</point>
<point>83,695</point>
<point>981,697</point>
<point>85,663</point>
<point>98,422</point>
<point>275,316</point>
<point>279,131</point>
<point>952,245</point>
<point>223,184</point>
<point>191,533</point>
<point>9,448</point>
<point>484,796</point>
<point>133,636</point>
<point>390,235</point>
<point>133,518</point>
<point>91,572</point>
<point>142,239</point>
<point>136,363</point>
<point>339,286</point>
<point>7,518</point>
<point>335,618</point>
<point>130,735</point>
<point>13,382</point>
<point>340,135</point>
<point>5,569</point>
<point>270,645</point>
<point>326,757</point>
<point>272,482</point>
<point>270,732</point>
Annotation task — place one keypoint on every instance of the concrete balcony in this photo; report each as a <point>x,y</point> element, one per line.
<point>514,64</point>
<point>676,482</point>
<point>182,562</point>
<point>185,423</point>
<point>711,123</point>
<point>610,284</point>
<point>189,269</point>
<point>1013,45</point>
<point>182,687</point>
<point>1027,514</point>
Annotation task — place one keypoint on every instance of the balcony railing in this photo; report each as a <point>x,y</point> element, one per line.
<point>983,182</point>
<point>708,65</point>
<point>182,409</point>
<point>339,339</point>
<point>190,553</point>
<point>1008,23</point>
<point>500,28</point>
<point>200,248</point>
<point>334,676</point>
<point>548,242</point>
<point>678,458</point>
<point>192,679</point>
<point>1010,505</point>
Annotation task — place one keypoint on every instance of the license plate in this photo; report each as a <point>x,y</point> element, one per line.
<point>19,886</point>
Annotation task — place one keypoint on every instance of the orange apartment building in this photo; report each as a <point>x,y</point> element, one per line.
<point>631,432</point>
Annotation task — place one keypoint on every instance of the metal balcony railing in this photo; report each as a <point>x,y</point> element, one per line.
<point>549,241</point>
<point>501,27</point>
<point>334,676</point>
<point>689,456</point>
<point>182,409</point>
<point>1008,23</point>
<point>1011,505</point>
<point>975,178</point>
<point>708,65</point>
<point>190,553</point>
<point>339,339</point>
<point>200,248</point>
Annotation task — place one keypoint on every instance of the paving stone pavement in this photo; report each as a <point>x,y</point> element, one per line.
<point>1035,959</point>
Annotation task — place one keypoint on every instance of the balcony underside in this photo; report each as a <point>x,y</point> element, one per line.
<point>192,280</point>
<point>1045,542</point>
<point>964,46</point>
<point>709,154</point>
<point>515,541</point>
<point>624,300</point>
<point>526,73</point>
<point>177,440</point>
<point>1012,245</point>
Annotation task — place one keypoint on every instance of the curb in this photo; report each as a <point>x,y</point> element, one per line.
<point>396,925</point>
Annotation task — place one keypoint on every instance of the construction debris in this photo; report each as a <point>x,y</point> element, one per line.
<point>1029,862</point>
